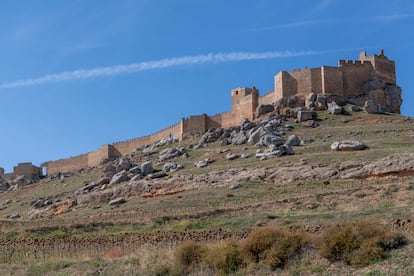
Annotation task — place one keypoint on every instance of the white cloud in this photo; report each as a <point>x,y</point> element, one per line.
<point>158,64</point>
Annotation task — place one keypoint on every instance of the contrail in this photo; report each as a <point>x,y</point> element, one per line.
<point>159,64</point>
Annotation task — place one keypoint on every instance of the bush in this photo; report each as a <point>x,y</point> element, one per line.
<point>259,241</point>
<point>288,248</point>
<point>189,255</point>
<point>224,257</point>
<point>360,243</point>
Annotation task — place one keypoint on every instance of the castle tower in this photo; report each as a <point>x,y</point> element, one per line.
<point>244,103</point>
<point>384,69</point>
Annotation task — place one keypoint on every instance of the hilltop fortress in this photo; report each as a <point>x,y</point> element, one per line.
<point>368,78</point>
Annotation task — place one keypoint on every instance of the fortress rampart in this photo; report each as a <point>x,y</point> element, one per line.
<point>347,79</point>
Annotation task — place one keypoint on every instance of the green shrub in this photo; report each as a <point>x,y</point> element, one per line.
<point>189,255</point>
<point>224,257</point>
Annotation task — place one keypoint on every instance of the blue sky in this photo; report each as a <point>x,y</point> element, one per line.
<point>79,74</point>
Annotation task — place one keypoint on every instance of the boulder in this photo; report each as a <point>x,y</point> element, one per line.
<point>238,138</point>
<point>293,140</point>
<point>371,107</point>
<point>172,167</point>
<point>245,155</point>
<point>263,109</point>
<point>170,153</point>
<point>304,115</point>
<point>295,101</point>
<point>119,177</point>
<point>255,134</point>
<point>270,139</point>
<point>310,100</point>
<point>135,170</point>
<point>310,123</point>
<point>124,164</point>
<point>4,185</point>
<point>136,177</point>
<point>279,104</point>
<point>146,168</point>
<point>322,101</point>
<point>14,216</point>
<point>234,186</point>
<point>232,156</point>
<point>335,109</point>
<point>157,175</point>
<point>246,125</point>
<point>103,180</point>
<point>201,164</point>
<point>38,204</point>
<point>354,108</point>
<point>211,136</point>
<point>165,141</point>
<point>348,145</point>
<point>274,151</point>
<point>117,201</point>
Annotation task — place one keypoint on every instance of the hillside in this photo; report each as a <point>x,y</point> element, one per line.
<point>220,187</point>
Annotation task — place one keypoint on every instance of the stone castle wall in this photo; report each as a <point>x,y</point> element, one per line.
<point>346,79</point>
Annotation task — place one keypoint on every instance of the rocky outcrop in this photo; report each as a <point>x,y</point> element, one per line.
<point>371,107</point>
<point>348,145</point>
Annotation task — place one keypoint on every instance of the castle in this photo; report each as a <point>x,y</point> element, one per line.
<point>347,80</point>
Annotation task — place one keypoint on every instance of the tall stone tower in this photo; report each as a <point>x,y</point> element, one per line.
<point>244,103</point>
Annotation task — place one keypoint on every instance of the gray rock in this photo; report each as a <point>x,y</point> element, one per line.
<point>172,167</point>
<point>14,216</point>
<point>135,170</point>
<point>279,104</point>
<point>103,180</point>
<point>348,145</point>
<point>232,156</point>
<point>354,108</point>
<point>146,168</point>
<point>238,138</point>
<point>322,101</point>
<point>310,100</point>
<point>293,140</point>
<point>211,136</point>
<point>122,176</point>
<point>305,116</point>
<point>110,169</point>
<point>270,139</point>
<point>245,155</point>
<point>246,125</point>
<point>263,109</point>
<point>310,123</point>
<point>38,204</point>
<point>234,186</point>
<point>255,134</point>
<point>274,151</point>
<point>295,101</point>
<point>335,109</point>
<point>170,153</point>
<point>157,175</point>
<point>6,202</point>
<point>124,164</point>
<point>86,189</point>
<point>165,141</point>
<point>136,177</point>
<point>117,201</point>
<point>371,107</point>
<point>200,164</point>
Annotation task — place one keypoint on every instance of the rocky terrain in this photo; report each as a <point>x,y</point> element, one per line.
<point>300,168</point>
